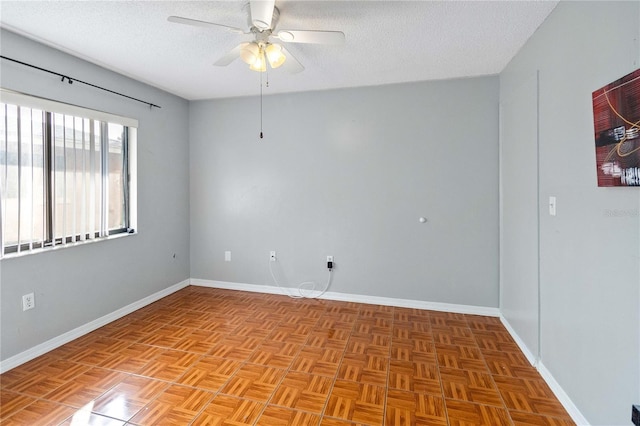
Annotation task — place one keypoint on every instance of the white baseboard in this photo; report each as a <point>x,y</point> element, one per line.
<point>523,347</point>
<point>562,396</point>
<point>346,297</point>
<point>557,390</point>
<point>60,340</point>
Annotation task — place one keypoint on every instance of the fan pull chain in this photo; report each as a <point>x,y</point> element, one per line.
<point>261,136</point>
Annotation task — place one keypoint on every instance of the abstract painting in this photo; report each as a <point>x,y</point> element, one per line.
<point>616,122</point>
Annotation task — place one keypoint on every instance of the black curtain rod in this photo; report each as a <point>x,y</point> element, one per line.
<point>71,80</point>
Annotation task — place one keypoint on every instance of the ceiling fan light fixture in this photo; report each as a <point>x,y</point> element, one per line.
<point>260,64</point>
<point>250,53</point>
<point>275,55</point>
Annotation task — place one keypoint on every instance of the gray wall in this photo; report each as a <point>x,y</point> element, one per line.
<point>348,173</point>
<point>589,275</point>
<point>74,286</point>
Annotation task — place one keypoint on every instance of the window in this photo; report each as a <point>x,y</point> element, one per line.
<point>65,173</point>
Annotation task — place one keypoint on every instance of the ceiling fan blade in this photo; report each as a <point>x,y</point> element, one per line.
<point>304,36</point>
<point>262,13</point>
<point>291,64</point>
<point>231,56</point>
<point>205,24</point>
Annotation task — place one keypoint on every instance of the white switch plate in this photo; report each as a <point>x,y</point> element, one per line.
<point>227,256</point>
<point>272,256</point>
<point>552,206</point>
<point>329,258</point>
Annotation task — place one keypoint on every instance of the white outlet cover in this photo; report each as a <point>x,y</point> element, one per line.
<point>28,302</point>
<point>227,256</point>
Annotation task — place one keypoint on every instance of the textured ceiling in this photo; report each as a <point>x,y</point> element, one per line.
<point>386,41</point>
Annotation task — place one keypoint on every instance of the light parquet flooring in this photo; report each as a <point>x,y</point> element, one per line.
<point>205,356</point>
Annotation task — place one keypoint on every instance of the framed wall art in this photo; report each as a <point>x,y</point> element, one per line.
<point>616,122</point>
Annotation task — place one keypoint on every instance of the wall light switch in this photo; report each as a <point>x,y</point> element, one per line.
<point>552,206</point>
<point>227,256</point>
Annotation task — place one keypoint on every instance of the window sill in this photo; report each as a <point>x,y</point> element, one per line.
<point>67,245</point>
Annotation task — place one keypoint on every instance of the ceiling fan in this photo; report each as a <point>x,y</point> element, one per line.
<point>263,19</point>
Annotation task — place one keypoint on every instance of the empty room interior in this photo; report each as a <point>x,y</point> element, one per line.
<point>401,223</point>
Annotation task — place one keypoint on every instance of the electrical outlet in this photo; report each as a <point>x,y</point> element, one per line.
<point>272,256</point>
<point>28,302</point>
<point>329,258</point>
<point>227,256</point>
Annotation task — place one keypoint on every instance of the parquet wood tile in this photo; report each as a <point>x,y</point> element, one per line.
<point>12,402</point>
<point>454,335</point>
<point>329,322</point>
<point>329,421</point>
<point>40,413</point>
<point>204,356</point>
<point>529,395</point>
<point>302,391</point>
<point>408,350</point>
<point>229,410</point>
<point>86,387</point>
<point>128,334</point>
<point>470,385</point>
<point>128,397</point>
<point>34,384</point>
<point>411,408</point>
<point>210,373</point>
<point>369,343</point>
<point>529,419</point>
<point>199,341</point>
<point>280,416</point>
<point>289,333</point>
<point>191,319</point>
<point>169,365</point>
<point>495,341</point>
<point>364,368</point>
<point>359,402</point>
<point>160,340</point>
<point>132,358</point>
<point>176,405</point>
<point>461,357</point>
<point>275,354</point>
<point>260,324</point>
<point>98,351</point>
<point>415,376</point>
<point>462,413</point>
<point>513,364</point>
<point>87,418</point>
<point>247,330</point>
<point>140,325</point>
<point>332,339</point>
<point>256,382</point>
<point>311,360</point>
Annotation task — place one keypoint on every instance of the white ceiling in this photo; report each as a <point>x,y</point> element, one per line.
<point>386,41</point>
